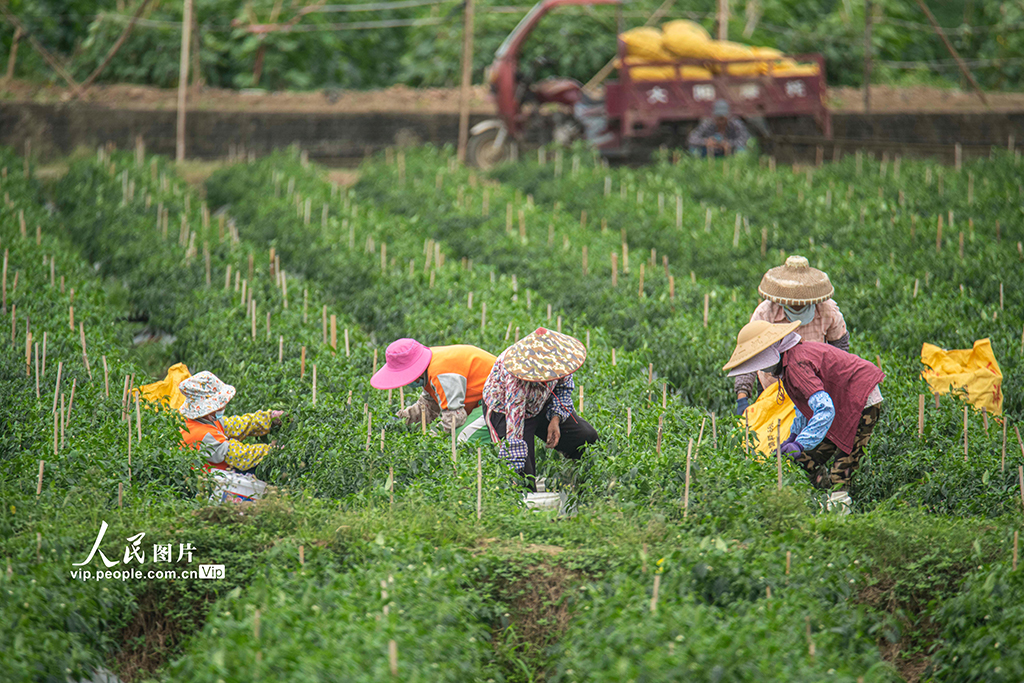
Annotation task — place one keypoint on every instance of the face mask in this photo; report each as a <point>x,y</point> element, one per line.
<point>804,314</point>
<point>219,414</point>
<point>419,382</point>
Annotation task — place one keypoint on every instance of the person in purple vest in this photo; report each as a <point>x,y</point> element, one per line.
<point>836,394</point>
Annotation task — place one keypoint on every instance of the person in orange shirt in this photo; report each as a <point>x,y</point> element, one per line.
<point>452,379</point>
<point>216,437</point>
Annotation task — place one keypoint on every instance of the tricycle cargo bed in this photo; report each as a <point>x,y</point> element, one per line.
<point>638,106</point>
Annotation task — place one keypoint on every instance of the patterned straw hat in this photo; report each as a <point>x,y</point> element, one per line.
<point>755,338</point>
<point>544,355</point>
<point>204,394</point>
<point>796,284</point>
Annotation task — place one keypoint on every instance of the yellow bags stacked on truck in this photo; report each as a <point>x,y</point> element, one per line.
<point>683,39</point>
<point>644,45</point>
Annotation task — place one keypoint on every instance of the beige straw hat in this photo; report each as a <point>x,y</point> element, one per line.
<point>545,355</point>
<point>796,284</point>
<point>755,337</point>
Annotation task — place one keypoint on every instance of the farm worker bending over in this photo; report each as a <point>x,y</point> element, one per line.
<point>452,379</point>
<point>718,136</point>
<point>836,394</point>
<point>795,292</point>
<point>530,389</point>
<point>216,436</point>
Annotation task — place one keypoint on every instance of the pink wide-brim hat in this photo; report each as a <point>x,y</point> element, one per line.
<point>405,360</point>
<point>204,394</point>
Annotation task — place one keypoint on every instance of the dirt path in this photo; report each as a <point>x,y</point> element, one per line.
<point>446,100</point>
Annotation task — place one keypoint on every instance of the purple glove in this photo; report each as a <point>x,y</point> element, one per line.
<point>791,449</point>
<point>791,439</point>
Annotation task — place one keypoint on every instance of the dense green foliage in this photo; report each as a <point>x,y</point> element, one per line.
<point>572,42</point>
<point>751,577</point>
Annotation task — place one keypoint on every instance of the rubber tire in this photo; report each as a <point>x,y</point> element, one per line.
<point>480,150</point>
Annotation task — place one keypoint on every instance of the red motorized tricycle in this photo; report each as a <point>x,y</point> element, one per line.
<point>631,107</point>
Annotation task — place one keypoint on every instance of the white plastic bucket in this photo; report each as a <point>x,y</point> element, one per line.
<point>543,501</point>
<point>235,486</point>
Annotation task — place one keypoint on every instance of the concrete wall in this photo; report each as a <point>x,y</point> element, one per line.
<point>57,130</point>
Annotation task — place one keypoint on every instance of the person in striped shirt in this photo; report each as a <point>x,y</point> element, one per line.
<point>529,394</point>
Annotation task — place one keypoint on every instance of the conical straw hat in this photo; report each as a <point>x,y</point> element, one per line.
<point>796,284</point>
<point>755,337</point>
<point>545,355</point>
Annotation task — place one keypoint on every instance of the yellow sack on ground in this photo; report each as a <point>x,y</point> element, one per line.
<point>166,390</point>
<point>763,416</point>
<point>645,42</point>
<point>973,373</point>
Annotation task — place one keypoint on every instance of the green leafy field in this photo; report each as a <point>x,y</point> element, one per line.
<point>370,544</point>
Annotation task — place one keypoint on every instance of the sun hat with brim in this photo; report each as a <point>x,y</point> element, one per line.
<point>796,284</point>
<point>204,394</point>
<point>404,361</point>
<point>755,338</point>
<point>767,358</point>
<point>545,355</point>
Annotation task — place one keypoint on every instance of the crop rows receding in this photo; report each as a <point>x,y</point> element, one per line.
<point>370,553</point>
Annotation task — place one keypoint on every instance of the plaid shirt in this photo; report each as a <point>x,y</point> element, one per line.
<point>520,400</point>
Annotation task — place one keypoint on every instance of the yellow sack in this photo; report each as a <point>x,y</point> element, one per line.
<point>973,373</point>
<point>681,26</point>
<point>645,42</point>
<point>166,390</point>
<point>763,416</point>
<point>638,72</point>
<point>787,67</point>
<point>681,39</point>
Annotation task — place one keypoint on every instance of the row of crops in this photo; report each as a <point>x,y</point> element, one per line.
<point>385,553</point>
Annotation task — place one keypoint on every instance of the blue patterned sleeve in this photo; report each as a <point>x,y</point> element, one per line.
<point>817,427</point>
<point>562,403</point>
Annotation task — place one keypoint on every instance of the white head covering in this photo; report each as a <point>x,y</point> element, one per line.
<point>768,358</point>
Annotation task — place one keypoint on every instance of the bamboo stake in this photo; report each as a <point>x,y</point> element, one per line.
<point>106,378</point>
<point>686,486</point>
<point>700,435</point>
<point>324,320</point>
<point>629,421</point>
<point>62,421</point>
<point>56,388</point>
<point>39,483</point>
<point>664,395</point>
<point>479,483</point>
<point>423,421</point>
<point>302,363</point>
<point>56,421</point>
<point>661,425</point>
<point>71,402</point>
<point>393,657</point>
<point>1016,538</point>
<point>43,371</point>
<point>707,301</point>
<point>348,351</point>
<point>965,433</point>
<point>778,451</point>
<point>314,383</point>
<point>714,432</point>
<point>85,355</point>
<point>37,369</point>
<point>454,454</point>
<point>789,561</point>
<point>920,415</point>
<point>654,594</point>
<point>120,493</point>
<point>334,332</point>
<point>615,277</point>
<point>483,317</point>
<point>1020,475</point>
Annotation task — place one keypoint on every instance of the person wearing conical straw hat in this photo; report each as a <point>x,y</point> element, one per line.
<point>451,377</point>
<point>529,394</point>
<point>216,437</point>
<point>794,292</point>
<point>836,394</point>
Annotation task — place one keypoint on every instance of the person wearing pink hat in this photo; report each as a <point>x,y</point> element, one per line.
<point>216,437</point>
<point>452,379</point>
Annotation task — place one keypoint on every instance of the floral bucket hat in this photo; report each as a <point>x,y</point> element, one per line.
<point>545,355</point>
<point>204,394</point>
